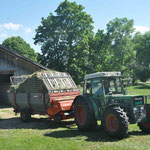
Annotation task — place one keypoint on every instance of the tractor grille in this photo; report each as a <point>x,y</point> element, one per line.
<point>138,100</point>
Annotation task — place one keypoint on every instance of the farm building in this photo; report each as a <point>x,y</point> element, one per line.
<point>12,63</point>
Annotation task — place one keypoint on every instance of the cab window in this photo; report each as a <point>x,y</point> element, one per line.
<point>96,87</point>
<point>88,87</point>
<point>114,86</point>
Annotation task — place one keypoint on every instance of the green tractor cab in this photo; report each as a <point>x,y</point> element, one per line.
<point>104,98</point>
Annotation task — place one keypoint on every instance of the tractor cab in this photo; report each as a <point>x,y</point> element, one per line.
<point>104,98</point>
<point>104,85</point>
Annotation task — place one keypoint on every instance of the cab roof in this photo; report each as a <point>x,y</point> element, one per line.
<point>102,74</point>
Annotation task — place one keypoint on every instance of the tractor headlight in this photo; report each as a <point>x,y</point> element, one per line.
<point>135,110</point>
<point>138,110</point>
<point>139,113</point>
<point>142,108</point>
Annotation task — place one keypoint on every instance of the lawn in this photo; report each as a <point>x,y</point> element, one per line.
<point>43,134</point>
<point>48,135</point>
<point>139,89</point>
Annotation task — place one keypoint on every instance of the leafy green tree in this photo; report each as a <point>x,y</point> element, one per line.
<point>99,52</point>
<point>142,73</point>
<point>142,47</point>
<point>64,39</point>
<point>121,50</point>
<point>19,45</point>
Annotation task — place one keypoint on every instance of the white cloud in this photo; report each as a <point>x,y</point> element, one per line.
<point>15,27</point>
<point>141,29</point>
<point>3,35</point>
<point>11,26</point>
<point>27,30</point>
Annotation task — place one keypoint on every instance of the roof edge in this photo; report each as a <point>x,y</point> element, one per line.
<point>14,53</point>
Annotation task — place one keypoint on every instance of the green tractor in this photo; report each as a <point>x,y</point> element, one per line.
<point>104,99</point>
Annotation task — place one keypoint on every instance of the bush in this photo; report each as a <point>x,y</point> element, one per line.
<point>143,74</point>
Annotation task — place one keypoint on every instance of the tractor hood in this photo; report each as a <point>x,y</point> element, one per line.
<point>129,99</point>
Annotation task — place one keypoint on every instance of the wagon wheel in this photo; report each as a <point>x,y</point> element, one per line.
<point>58,118</point>
<point>25,115</point>
<point>115,122</point>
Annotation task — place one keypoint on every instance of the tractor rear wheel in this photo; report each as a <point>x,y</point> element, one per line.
<point>84,119</point>
<point>144,125</point>
<point>25,115</point>
<point>115,122</point>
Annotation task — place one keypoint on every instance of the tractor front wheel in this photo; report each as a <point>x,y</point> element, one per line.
<point>115,122</point>
<point>83,117</point>
<point>144,125</point>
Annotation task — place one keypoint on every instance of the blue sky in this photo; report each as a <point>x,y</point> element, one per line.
<point>22,17</point>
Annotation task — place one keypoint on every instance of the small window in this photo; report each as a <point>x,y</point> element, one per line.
<point>109,86</point>
<point>118,83</point>
<point>88,87</point>
<point>97,87</point>
<point>112,86</point>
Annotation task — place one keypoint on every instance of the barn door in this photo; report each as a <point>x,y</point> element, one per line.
<point>4,87</point>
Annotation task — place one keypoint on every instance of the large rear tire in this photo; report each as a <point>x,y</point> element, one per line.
<point>84,119</point>
<point>144,125</point>
<point>25,115</point>
<point>115,122</point>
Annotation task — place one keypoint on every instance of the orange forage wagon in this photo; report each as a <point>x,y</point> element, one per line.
<point>46,92</point>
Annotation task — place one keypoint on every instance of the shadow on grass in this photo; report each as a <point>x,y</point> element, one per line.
<point>98,135</point>
<point>66,129</point>
<point>35,123</point>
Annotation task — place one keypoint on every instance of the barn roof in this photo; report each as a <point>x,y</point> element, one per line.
<point>16,54</point>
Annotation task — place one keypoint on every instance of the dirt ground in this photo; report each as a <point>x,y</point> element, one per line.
<point>8,120</point>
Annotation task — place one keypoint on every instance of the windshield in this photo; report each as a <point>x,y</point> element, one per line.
<point>112,86</point>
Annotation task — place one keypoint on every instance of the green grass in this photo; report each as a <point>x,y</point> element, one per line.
<point>139,89</point>
<point>69,138</point>
<point>46,135</point>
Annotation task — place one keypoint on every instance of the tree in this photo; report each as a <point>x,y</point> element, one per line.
<point>64,39</point>
<point>98,52</point>
<point>142,47</point>
<point>19,45</point>
<point>121,49</point>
